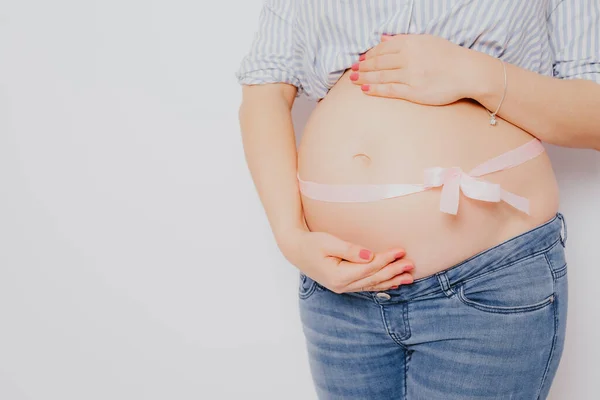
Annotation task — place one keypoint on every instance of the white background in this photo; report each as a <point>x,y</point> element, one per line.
<point>136,261</point>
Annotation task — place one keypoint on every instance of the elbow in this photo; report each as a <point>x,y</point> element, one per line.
<point>596,145</point>
<point>243,113</point>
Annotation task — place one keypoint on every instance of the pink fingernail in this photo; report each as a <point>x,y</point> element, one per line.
<point>400,254</point>
<point>405,281</point>
<point>354,76</point>
<point>408,268</point>
<point>362,57</point>
<point>365,254</point>
<point>355,67</point>
<point>394,287</point>
<point>365,88</point>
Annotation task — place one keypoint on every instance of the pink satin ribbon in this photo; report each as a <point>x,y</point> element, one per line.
<point>451,179</point>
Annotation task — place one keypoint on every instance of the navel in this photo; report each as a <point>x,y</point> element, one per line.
<point>365,159</point>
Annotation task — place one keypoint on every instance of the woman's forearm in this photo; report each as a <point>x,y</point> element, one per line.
<point>270,150</point>
<point>564,112</point>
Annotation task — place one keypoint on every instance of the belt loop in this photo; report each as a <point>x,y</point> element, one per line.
<point>445,283</point>
<point>563,233</point>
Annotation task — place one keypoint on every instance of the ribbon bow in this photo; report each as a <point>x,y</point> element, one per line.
<point>454,179</point>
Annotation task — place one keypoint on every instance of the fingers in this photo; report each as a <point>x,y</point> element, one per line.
<point>336,247</point>
<point>402,279</point>
<point>391,90</point>
<point>382,62</point>
<point>388,274</point>
<point>379,76</point>
<point>351,272</point>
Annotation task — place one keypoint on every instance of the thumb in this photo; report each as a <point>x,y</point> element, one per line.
<point>337,247</point>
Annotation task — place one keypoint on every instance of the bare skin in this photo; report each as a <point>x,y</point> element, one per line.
<point>270,151</point>
<point>353,138</point>
<point>392,134</point>
<point>431,70</point>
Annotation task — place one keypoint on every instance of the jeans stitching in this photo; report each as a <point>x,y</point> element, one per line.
<point>562,271</point>
<point>304,294</point>
<point>505,310</point>
<point>510,264</point>
<point>551,355</point>
<point>519,309</point>
<point>459,282</point>
<point>452,286</point>
<point>556,273</point>
<point>391,334</point>
<point>407,356</point>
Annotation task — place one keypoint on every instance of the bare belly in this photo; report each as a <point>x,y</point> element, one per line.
<point>354,138</point>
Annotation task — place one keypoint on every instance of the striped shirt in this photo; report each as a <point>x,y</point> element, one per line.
<point>310,43</point>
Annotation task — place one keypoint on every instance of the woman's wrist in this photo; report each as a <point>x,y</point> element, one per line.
<point>485,79</point>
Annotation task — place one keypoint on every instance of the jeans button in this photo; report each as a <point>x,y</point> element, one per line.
<point>383,296</point>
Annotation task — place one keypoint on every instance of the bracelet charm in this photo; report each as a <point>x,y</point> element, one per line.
<point>493,120</point>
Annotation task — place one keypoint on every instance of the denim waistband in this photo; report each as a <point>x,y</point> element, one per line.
<point>533,241</point>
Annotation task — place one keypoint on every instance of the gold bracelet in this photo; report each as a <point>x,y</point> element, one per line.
<point>493,121</point>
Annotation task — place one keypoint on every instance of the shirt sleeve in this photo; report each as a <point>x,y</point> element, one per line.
<point>574,29</point>
<point>271,58</point>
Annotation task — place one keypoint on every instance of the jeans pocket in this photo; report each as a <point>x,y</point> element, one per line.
<point>306,286</point>
<point>523,286</point>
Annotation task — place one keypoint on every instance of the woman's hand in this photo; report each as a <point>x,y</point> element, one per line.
<point>423,69</point>
<point>345,267</point>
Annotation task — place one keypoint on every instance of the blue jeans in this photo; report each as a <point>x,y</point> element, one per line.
<point>489,327</point>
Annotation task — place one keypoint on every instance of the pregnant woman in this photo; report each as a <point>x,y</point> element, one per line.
<point>420,206</point>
